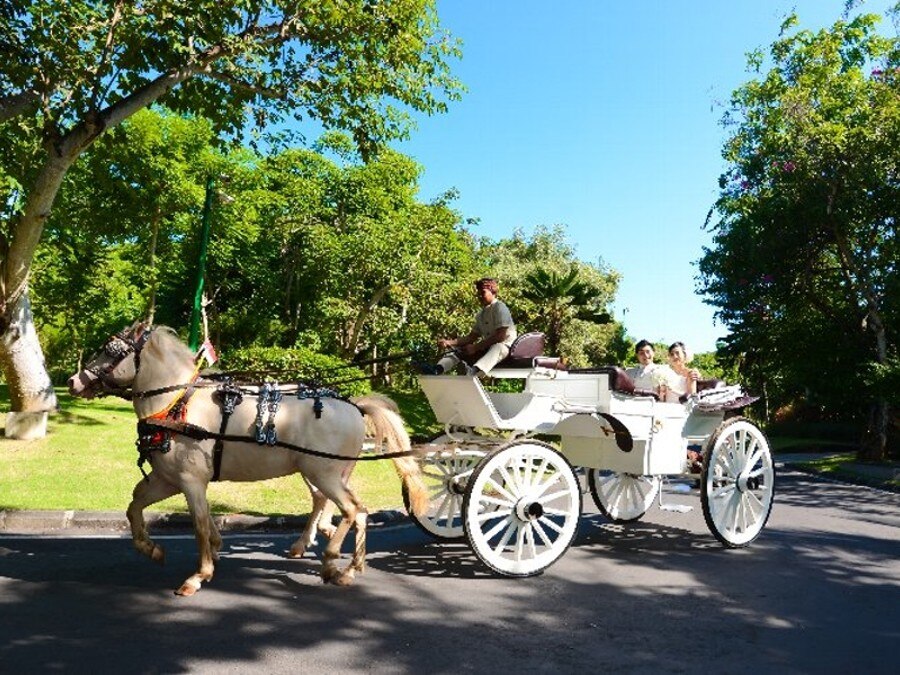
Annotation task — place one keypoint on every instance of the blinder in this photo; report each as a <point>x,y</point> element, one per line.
<point>118,347</point>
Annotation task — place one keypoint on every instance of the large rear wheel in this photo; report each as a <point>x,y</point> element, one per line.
<point>738,482</point>
<point>521,508</point>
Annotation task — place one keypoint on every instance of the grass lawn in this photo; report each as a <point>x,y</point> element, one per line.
<point>88,462</point>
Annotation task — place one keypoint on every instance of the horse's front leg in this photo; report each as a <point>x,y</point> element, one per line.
<point>195,492</point>
<point>354,513</point>
<point>148,491</point>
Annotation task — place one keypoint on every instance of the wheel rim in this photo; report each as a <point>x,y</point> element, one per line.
<point>446,474</point>
<point>622,497</point>
<point>738,484</point>
<point>521,509</point>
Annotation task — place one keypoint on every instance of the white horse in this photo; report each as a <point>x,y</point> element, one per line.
<point>151,363</point>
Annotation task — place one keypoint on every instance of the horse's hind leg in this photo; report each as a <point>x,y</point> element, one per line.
<point>203,529</point>
<point>319,520</point>
<point>354,513</point>
<point>148,491</point>
<point>215,539</point>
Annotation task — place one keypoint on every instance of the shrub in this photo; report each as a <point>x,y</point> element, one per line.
<point>298,363</point>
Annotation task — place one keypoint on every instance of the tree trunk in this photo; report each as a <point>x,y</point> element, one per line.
<point>30,390</point>
<point>873,446</point>
<point>874,440</point>
<point>361,316</point>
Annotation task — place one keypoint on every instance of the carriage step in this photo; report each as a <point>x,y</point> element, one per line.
<point>676,508</point>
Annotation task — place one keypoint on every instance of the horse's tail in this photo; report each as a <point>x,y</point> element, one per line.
<point>384,423</point>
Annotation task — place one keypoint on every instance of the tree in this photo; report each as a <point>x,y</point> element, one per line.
<point>803,267</point>
<point>123,224</point>
<point>560,298</point>
<point>547,288</point>
<point>80,68</point>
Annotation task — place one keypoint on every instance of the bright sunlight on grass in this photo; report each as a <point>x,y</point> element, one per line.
<point>88,462</point>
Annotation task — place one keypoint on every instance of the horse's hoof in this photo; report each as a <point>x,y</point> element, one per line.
<point>297,551</point>
<point>158,554</point>
<point>345,578</point>
<point>330,574</point>
<point>188,588</point>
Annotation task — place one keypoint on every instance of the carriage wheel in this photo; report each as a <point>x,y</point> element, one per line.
<point>738,482</point>
<point>446,473</point>
<point>521,509</point>
<point>622,497</point>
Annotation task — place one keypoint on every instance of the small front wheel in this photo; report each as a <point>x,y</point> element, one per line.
<point>445,471</point>
<point>521,508</point>
<point>738,482</point>
<point>622,497</point>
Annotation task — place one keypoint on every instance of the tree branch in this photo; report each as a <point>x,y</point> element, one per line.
<point>17,104</point>
<point>246,86</point>
<point>107,48</point>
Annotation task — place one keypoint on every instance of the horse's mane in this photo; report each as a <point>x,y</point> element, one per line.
<point>168,348</point>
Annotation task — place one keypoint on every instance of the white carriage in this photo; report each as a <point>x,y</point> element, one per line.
<point>517,499</point>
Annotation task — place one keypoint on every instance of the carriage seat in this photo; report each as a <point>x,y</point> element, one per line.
<point>524,351</point>
<point>619,381</point>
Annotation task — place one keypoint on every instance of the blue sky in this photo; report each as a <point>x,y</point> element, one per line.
<point>604,117</point>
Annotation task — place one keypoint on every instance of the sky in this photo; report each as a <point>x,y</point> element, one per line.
<point>603,117</point>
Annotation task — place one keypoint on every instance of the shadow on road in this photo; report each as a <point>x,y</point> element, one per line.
<point>649,596</point>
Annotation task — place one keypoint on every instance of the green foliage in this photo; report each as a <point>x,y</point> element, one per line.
<point>803,263</point>
<point>298,363</point>
<point>354,65</point>
<point>548,289</point>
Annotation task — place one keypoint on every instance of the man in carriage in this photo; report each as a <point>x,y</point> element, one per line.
<point>487,343</point>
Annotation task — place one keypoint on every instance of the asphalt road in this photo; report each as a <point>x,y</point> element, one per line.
<point>818,592</point>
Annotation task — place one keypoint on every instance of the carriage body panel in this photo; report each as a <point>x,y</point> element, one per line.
<point>463,401</point>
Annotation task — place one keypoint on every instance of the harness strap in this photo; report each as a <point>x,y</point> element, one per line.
<point>231,397</point>
<point>198,433</point>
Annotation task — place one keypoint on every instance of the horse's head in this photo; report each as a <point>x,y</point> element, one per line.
<point>113,368</point>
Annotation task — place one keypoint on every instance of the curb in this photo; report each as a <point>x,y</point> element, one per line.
<point>115,522</point>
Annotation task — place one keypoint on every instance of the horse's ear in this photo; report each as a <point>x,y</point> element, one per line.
<point>152,343</point>
<point>138,327</point>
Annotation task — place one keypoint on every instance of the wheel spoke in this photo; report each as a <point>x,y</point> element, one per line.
<point>510,479</point>
<point>529,540</point>
<point>506,522</point>
<point>520,541</point>
<point>554,476</point>
<point>490,515</point>
<point>502,490</point>
<point>487,499</point>
<point>536,524</point>
<point>444,508</point>
<point>755,504</point>
<point>504,541</point>
<point>723,491</point>
<point>546,499</point>
<point>529,471</point>
<point>549,523</point>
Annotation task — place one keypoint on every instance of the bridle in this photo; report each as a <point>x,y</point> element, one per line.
<point>118,347</point>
